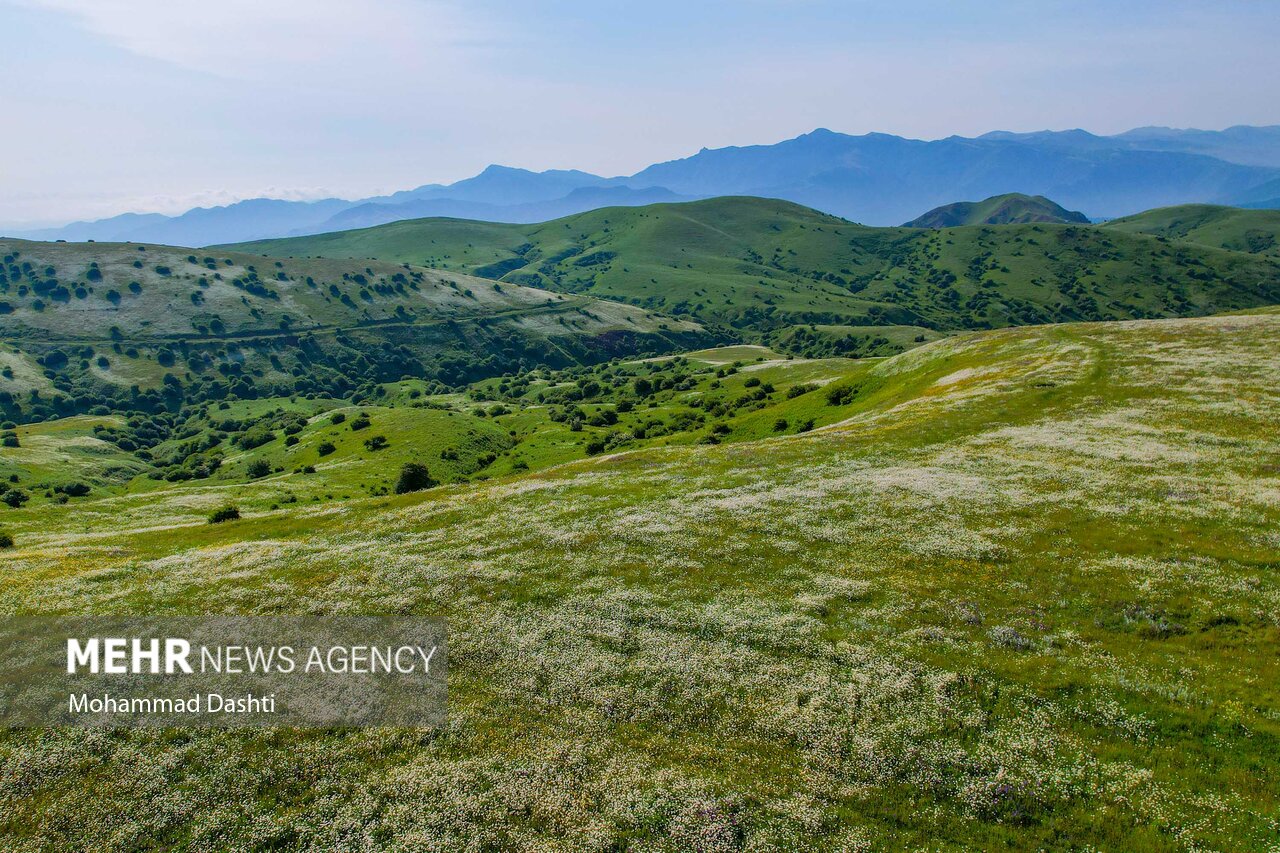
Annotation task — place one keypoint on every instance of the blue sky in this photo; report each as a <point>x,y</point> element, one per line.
<point>117,105</point>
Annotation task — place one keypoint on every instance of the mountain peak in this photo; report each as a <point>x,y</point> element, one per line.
<point>1006,209</point>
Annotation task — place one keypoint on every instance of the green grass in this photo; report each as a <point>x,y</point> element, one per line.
<point>87,323</point>
<point>1234,228</point>
<point>1017,590</point>
<point>1007,209</point>
<point>763,266</point>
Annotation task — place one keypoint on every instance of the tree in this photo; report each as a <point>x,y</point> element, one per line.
<point>414,477</point>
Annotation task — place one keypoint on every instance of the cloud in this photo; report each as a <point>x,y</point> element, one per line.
<point>264,39</point>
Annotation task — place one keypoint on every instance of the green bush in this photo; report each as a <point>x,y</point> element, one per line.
<point>227,513</point>
<point>376,442</point>
<point>796,390</point>
<point>414,477</point>
<point>259,468</point>
<point>6,541</point>
<point>325,448</point>
<point>15,497</point>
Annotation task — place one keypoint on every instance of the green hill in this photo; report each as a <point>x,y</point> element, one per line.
<point>763,266</point>
<point>1234,228</point>
<point>128,326</point>
<point>1016,590</point>
<point>1007,209</point>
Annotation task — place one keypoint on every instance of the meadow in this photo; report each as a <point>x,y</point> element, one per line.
<point>1009,589</point>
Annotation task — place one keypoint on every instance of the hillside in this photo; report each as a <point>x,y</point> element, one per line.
<point>97,324</point>
<point>1016,590</point>
<point>1237,229</point>
<point>764,266</point>
<point>1007,209</point>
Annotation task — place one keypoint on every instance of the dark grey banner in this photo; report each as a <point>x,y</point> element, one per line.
<point>222,671</point>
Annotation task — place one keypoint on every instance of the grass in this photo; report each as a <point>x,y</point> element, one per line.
<point>763,266</point>
<point>1234,228</point>
<point>1017,590</point>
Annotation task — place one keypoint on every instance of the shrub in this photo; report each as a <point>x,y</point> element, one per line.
<point>325,448</point>
<point>15,498</point>
<point>10,440</point>
<point>337,418</point>
<point>796,390</point>
<point>75,490</point>
<point>360,422</point>
<point>840,394</point>
<point>291,441</point>
<point>751,382</point>
<point>414,477</point>
<point>376,442</point>
<point>227,513</point>
<point>255,437</point>
<point>780,424</point>
<point>259,468</point>
<point>6,541</point>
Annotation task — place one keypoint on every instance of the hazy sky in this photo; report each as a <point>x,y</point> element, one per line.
<point>160,105</point>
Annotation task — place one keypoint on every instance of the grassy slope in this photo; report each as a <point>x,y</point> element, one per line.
<point>762,264</point>
<point>1007,209</point>
<point>116,316</point>
<point>1253,231</point>
<point>183,298</point>
<point>1021,593</point>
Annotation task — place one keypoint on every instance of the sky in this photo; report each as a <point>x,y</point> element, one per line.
<point>163,105</point>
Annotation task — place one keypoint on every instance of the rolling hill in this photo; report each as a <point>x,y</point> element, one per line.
<point>763,266</point>
<point>1237,229</point>
<point>1007,209</point>
<point>1016,591</point>
<point>92,324</point>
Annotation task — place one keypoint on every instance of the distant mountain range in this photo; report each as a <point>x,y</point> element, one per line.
<point>875,179</point>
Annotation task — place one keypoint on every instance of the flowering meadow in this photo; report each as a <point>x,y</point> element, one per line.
<point>1023,594</point>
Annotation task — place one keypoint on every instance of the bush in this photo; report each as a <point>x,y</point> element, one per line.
<point>259,468</point>
<point>6,541</point>
<point>360,422</point>
<point>337,418</point>
<point>75,490</point>
<point>376,442</point>
<point>325,448</point>
<point>291,441</point>
<point>15,497</point>
<point>780,424</point>
<point>9,440</point>
<point>255,437</point>
<point>796,390</point>
<point>227,513</point>
<point>414,477</point>
<point>840,394</point>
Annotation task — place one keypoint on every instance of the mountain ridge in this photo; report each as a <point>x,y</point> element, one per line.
<point>876,178</point>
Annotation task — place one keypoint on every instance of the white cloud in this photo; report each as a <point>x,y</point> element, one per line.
<point>269,38</point>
